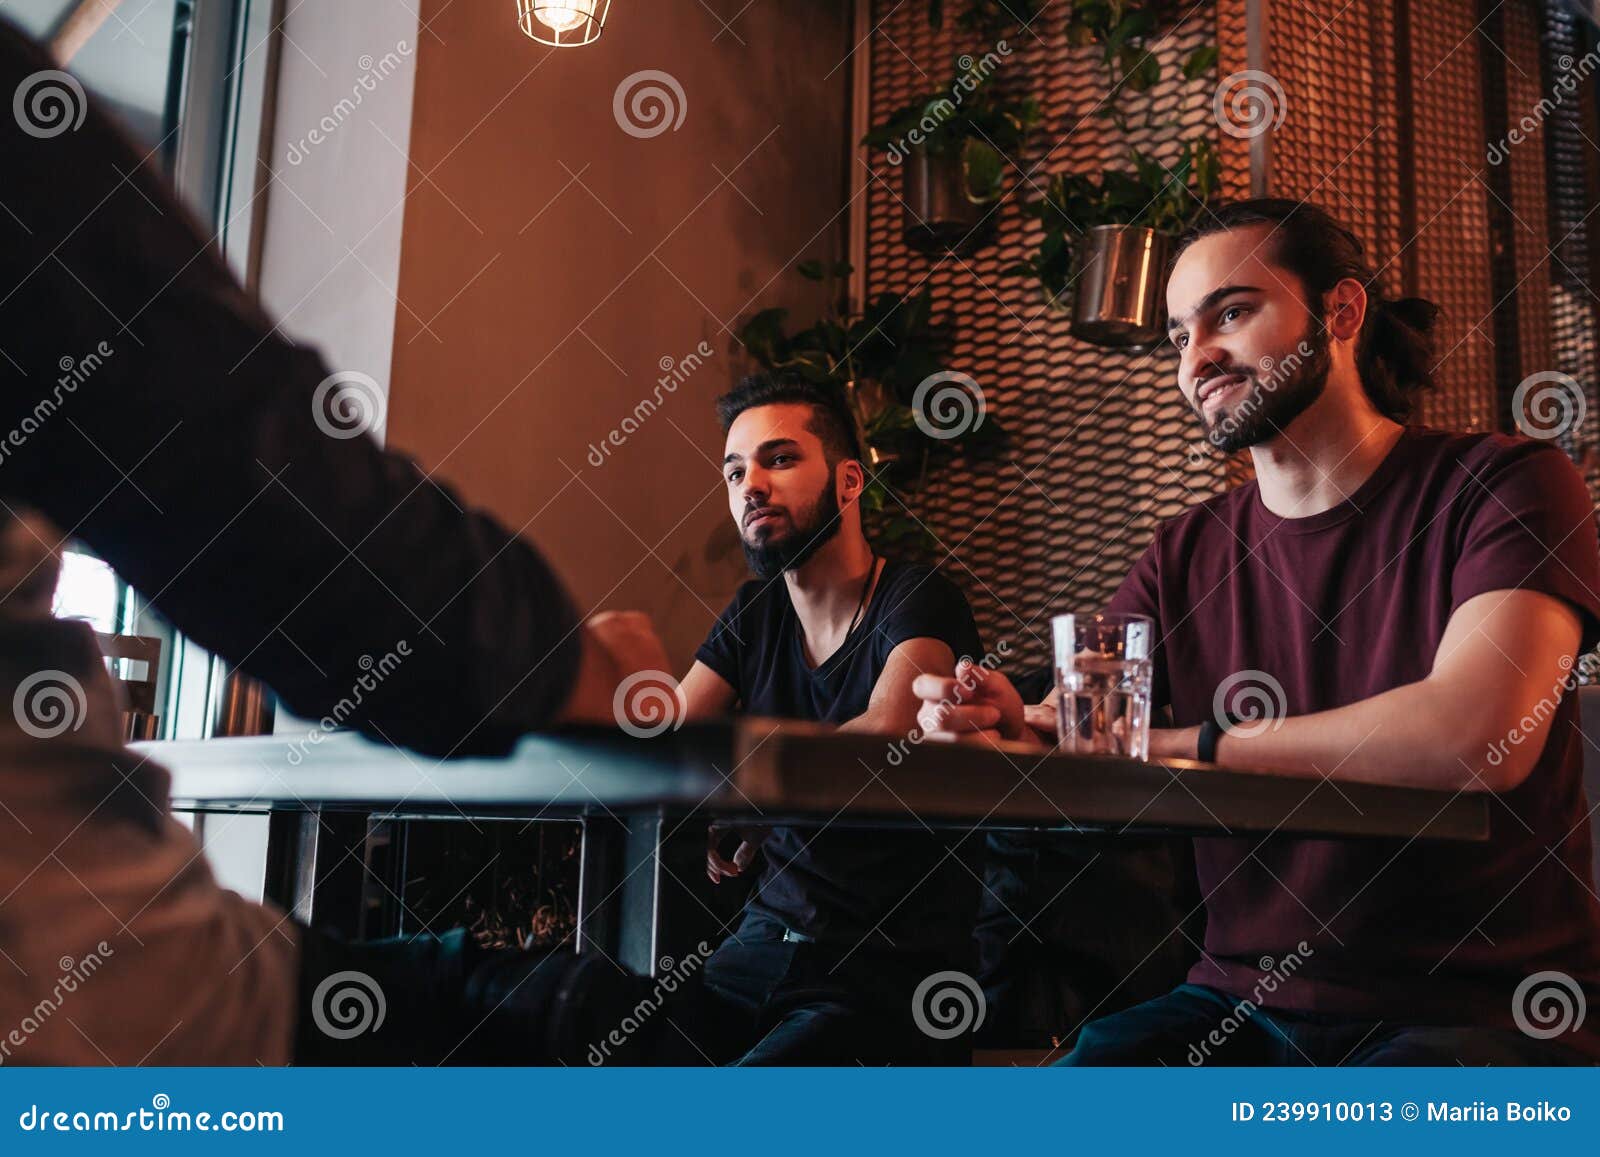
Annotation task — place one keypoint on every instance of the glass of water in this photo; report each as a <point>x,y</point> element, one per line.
<point>1103,676</point>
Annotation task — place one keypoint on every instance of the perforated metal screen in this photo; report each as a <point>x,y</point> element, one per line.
<point>1567,252</point>
<point>1098,437</point>
<point>1384,124</point>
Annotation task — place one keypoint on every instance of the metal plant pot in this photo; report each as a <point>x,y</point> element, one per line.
<point>939,216</point>
<point>1120,272</point>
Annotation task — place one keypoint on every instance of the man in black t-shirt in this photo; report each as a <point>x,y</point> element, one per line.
<point>844,923</point>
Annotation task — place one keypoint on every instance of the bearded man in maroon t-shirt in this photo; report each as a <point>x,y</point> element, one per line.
<point>1400,605</point>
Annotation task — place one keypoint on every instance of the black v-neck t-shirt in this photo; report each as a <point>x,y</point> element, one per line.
<point>889,888</point>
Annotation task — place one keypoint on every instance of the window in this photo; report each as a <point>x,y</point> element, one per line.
<point>187,78</point>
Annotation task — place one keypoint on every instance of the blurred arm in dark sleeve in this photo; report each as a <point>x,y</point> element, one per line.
<point>151,409</point>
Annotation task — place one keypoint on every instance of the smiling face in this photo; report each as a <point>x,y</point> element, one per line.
<point>1253,355</point>
<point>782,491</point>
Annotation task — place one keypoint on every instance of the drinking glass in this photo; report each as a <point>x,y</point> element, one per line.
<point>1103,674</point>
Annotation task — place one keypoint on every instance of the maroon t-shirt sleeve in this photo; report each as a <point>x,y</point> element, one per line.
<point>1530,526</point>
<point>1139,594</point>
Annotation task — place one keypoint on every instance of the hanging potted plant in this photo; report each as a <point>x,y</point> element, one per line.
<point>953,147</point>
<point>1123,29</point>
<point>881,360</point>
<point>1107,238</point>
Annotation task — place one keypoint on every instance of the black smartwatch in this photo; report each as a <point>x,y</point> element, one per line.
<point>1211,731</point>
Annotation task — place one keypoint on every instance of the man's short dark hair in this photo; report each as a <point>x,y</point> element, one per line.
<point>830,417</point>
<point>1395,351</point>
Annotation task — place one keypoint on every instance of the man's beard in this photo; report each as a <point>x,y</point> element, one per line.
<point>1272,405</point>
<point>793,549</point>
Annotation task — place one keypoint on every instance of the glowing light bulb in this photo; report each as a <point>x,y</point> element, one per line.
<point>562,17</point>
<point>559,23</point>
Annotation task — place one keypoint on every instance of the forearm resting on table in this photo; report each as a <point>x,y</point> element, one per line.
<point>1477,722</point>
<point>1420,735</point>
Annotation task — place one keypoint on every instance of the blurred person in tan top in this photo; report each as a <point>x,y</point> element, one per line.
<point>122,917</point>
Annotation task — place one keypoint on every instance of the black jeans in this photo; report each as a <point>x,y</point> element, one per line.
<point>757,1000</point>
<point>1196,1025</point>
<point>786,1003</point>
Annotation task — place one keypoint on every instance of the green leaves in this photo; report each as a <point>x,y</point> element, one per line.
<point>1200,62</point>
<point>888,341</point>
<point>982,171</point>
<point>1151,195</point>
<point>954,118</point>
<point>1125,29</point>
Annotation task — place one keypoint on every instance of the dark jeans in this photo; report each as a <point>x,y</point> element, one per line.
<point>1071,923</point>
<point>757,1000</point>
<point>783,1003</point>
<point>1196,1025</point>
